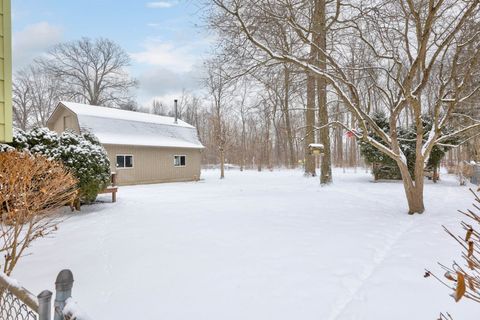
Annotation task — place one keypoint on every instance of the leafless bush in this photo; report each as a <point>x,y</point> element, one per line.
<point>463,279</point>
<point>32,188</point>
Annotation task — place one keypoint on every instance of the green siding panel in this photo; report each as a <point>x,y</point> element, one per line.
<point>6,71</point>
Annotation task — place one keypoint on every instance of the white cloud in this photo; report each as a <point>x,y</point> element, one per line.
<point>33,41</point>
<point>160,81</point>
<point>166,54</point>
<point>164,68</point>
<point>160,4</point>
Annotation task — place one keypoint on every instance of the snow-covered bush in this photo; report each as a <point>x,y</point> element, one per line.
<point>384,166</point>
<point>5,147</point>
<point>81,153</point>
<point>89,161</point>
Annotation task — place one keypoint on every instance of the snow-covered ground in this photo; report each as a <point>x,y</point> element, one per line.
<point>269,245</point>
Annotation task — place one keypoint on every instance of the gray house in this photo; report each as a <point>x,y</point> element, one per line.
<point>142,148</point>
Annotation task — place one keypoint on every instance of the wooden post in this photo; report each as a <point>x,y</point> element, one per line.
<point>114,179</point>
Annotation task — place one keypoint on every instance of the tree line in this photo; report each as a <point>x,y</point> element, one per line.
<point>410,59</point>
<point>255,121</point>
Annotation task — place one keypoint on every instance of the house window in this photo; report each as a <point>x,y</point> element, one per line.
<point>179,161</point>
<point>124,161</point>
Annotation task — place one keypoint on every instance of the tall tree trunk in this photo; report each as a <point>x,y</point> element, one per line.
<point>413,185</point>
<point>286,112</point>
<point>339,142</point>
<point>413,189</point>
<point>309,126</point>
<point>222,162</point>
<point>268,149</point>
<point>244,145</point>
<point>320,40</point>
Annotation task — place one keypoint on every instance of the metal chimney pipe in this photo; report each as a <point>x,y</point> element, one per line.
<point>176,111</point>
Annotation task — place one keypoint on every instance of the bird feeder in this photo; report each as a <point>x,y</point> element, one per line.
<point>316,148</point>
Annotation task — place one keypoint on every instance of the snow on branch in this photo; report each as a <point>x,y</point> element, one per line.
<point>457,133</point>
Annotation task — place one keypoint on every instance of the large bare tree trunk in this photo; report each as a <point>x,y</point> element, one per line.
<point>413,189</point>
<point>320,41</point>
<point>309,126</point>
<point>326,165</point>
<point>413,185</point>
<point>286,112</point>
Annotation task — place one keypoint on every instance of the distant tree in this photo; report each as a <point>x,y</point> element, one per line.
<point>159,108</point>
<point>218,85</point>
<point>129,104</point>
<point>22,103</point>
<point>91,71</point>
<point>35,96</point>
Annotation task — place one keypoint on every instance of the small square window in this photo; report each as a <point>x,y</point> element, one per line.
<point>179,161</point>
<point>129,161</point>
<point>120,162</point>
<point>124,161</point>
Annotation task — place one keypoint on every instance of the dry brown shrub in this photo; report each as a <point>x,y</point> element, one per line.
<point>463,279</point>
<point>32,189</point>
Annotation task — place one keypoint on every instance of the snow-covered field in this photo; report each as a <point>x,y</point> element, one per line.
<point>269,245</point>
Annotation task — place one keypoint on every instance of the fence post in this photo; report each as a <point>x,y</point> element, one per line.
<point>45,305</point>
<point>63,288</point>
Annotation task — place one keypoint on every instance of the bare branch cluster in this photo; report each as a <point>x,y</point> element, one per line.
<point>463,279</point>
<point>32,189</point>
<point>86,71</point>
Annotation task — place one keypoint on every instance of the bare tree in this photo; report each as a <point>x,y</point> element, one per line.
<point>22,104</point>
<point>319,38</point>
<point>91,71</point>
<point>159,108</point>
<point>217,84</point>
<point>35,96</point>
<point>412,43</point>
<point>243,109</point>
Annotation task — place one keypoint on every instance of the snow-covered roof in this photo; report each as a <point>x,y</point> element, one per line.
<point>122,127</point>
<point>316,145</point>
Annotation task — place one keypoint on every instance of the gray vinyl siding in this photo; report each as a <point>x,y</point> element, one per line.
<point>154,164</point>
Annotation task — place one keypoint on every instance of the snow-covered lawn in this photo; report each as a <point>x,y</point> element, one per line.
<point>269,245</point>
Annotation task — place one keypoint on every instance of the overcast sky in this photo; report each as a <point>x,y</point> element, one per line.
<point>162,37</point>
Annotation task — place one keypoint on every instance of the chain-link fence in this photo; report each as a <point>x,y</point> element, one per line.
<point>17,303</point>
<point>12,308</point>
